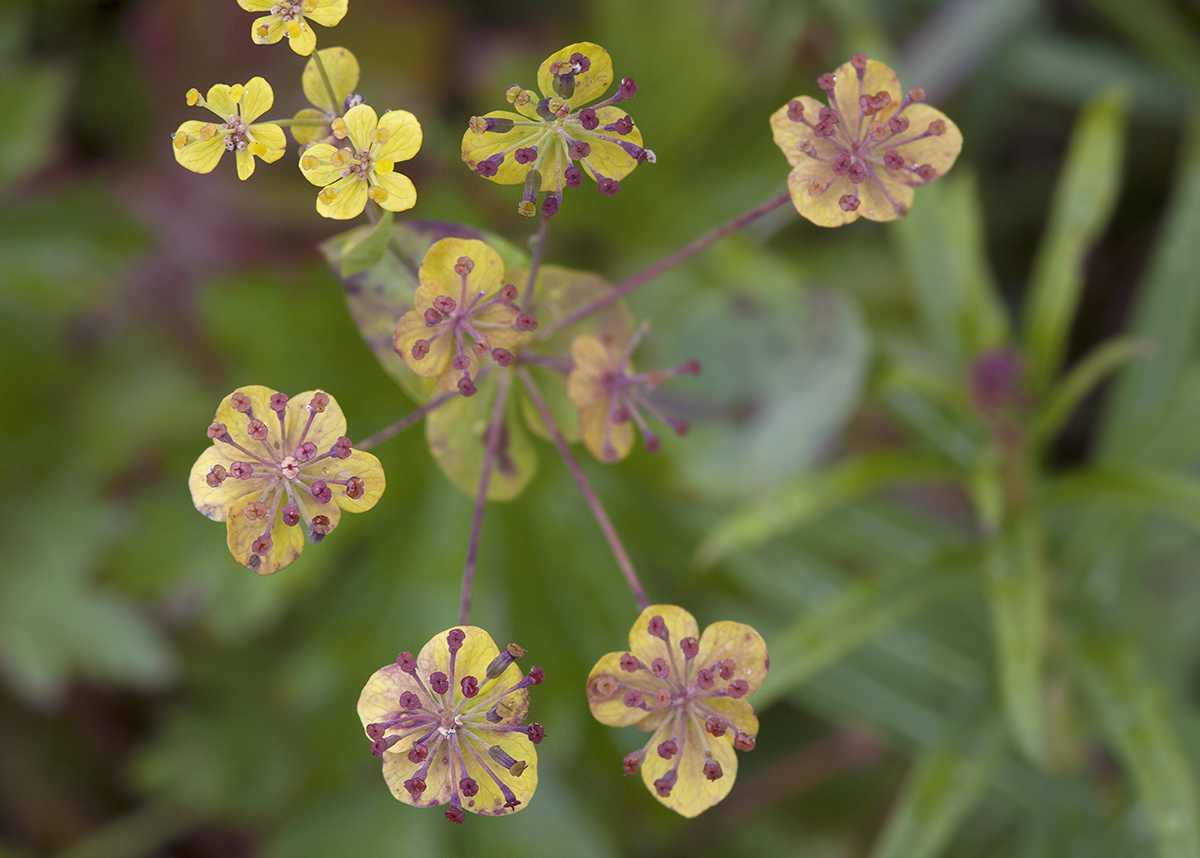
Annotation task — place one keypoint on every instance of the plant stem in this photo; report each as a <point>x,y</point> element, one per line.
<point>333,99</point>
<point>670,262</point>
<point>485,477</point>
<point>585,488</point>
<point>297,123</point>
<point>406,421</point>
<point>535,262</point>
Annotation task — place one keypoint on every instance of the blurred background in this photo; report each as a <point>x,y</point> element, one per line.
<point>939,686</point>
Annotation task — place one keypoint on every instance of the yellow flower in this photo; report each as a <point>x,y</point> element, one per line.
<point>540,144</point>
<point>610,395</point>
<point>200,145</point>
<point>691,694</point>
<point>290,18</point>
<point>350,175</point>
<point>462,295</point>
<point>448,724</point>
<point>281,469</point>
<point>862,155</point>
<point>342,68</point>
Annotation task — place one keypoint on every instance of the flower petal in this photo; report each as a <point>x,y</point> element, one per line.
<point>378,701</point>
<point>350,198</point>
<point>256,100</point>
<point>401,194</point>
<point>487,275</point>
<point>939,151</point>
<point>310,133</point>
<point>589,85</point>
<point>490,800</point>
<point>885,197</point>
<point>607,685</point>
<point>237,423</point>
<point>412,328</point>
<point>286,542</point>
<point>789,135</point>
<point>215,502</point>
<point>316,167</point>
<point>360,122</point>
<point>256,5</point>
<point>693,793</point>
<point>397,768</point>
<point>823,209</point>
<point>245,164</point>
<point>680,624</point>
<point>405,139</point>
<point>477,147</point>
<point>324,430</point>
<point>220,100</point>
<point>198,155</point>
<point>304,41</point>
<point>271,136</point>
<point>328,12</point>
<point>876,77</point>
<point>607,157</point>
<point>358,464</point>
<point>342,68</point>
<point>267,30</point>
<point>739,713</point>
<point>742,644</point>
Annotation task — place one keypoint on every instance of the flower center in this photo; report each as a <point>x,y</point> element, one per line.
<point>359,166</point>
<point>236,133</point>
<point>291,10</point>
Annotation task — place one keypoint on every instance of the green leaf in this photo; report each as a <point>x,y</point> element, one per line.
<point>1166,36</point>
<point>861,612</point>
<point>946,782</point>
<point>33,100</point>
<point>1083,202</point>
<point>1083,378</point>
<point>1133,710</point>
<point>367,249</point>
<point>782,509</point>
<point>1015,570</point>
<point>457,434</point>
<point>1144,490</point>
<point>942,242</point>
<point>1167,313</point>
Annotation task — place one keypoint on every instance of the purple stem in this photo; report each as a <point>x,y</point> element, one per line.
<point>585,488</point>
<point>489,458</point>
<point>406,421</point>
<point>535,262</point>
<point>671,261</point>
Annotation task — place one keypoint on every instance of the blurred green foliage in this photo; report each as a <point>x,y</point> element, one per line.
<point>982,622</point>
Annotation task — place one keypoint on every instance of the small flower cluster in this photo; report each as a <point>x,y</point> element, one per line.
<point>448,723</point>
<point>541,143</point>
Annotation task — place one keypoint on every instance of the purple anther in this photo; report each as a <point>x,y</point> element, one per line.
<point>305,451</point>
<point>668,749</point>
<point>626,89</point>
<point>342,447</point>
<point>525,156</point>
<point>660,668</point>
<point>257,430</point>
<point>432,317</point>
<point>738,689</point>
<point>215,476</point>
<point>536,675</point>
<point>291,515</point>
<point>279,402</point>
<point>240,402</point>
<point>743,741</point>
<point>467,387</point>
<point>893,160</point>
<point>704,679</point>
<point>380,745</point>
<point>712,770</point>
<point>503,356</point>
<point>470,686</point>
<point>690,647</point>
<point>827,81</point>
<point>579,149</point>
<point>664,784</point>
<point>468,786</point>
<point>406,662</point>
<point>572,178</point>
<point>550,205</point>
<point>632,762</point>
<point>715,725</point>
<point>417,753</point>
<point>608,187</point>
<point>455,638</point>
<point>319,528</point>
<point>588,119</point>
<point>630,662</point>
<point>356,487</point>
<point>420,349</point>
<point>321,492</point>
<point>439,682</point>
<point>527,322</point>
<point>848,202</point>
<point>461,362</point>
<point>261,546</point>
<point>499,125</point>
<point>859,61</point>
<point>657,627</point>
<point>841,163</point>
<point>489,166</point>
<point>580,62</point>
<point>415,787</point>
<point>217,430</point>
<point>898,123</point>
<point>409,700</point>
<point>857,173</point>
<point>634,699</point>
<point>926,172</point>
<point>319,402</point>
<point>535,732</point>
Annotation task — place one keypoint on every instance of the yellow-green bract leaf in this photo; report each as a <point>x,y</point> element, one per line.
<point>1133,710</point>
<point>1015,569</point>
<point>1083,378</point>
<point>1143,490</point>
<point>1083,201</point>
<point>814,493</point>
<point>942,241</point>
<point>368,251</point>
<point>948,779</point>
<point>457,434</point>
<point>342,68</point>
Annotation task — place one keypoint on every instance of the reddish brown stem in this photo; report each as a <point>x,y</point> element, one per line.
<point>406,421</point>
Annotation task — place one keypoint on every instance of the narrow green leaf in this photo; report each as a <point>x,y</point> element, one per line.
<point>1134,712</point>
<point>367,250</point>
<point>1167,314</point>
<point>1165,35</point>
<point>1015,570</point>
<point>1083,201</point>
<point>861,612</point>
<point>947,781</point>
<point>1066,396</point>
<point>1166,493</point>
<point>812,494</point>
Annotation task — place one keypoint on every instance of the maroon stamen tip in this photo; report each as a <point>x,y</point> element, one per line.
<point>261,546</point>
<point>381,745</point>
<point>241,470</point>
<point>409,700</point>
<point>653,443</point>
<point>468,786</point>
<point>573,176</point>
<point>216,475</point>
<point>898,122</point>
<point>217,430</point>
<point>503,357</point>
<point>893,160</point>
<point>550,205</point>
<point>415,787</point>
<point>455,638</point>
<point>716,726</point>
<point>375,731</point>
<point>321,491</point>
<point>627,89</point>
<point>588,119</point>
<point>418,753</point>
<point>420,349</point>
<point>738,689</point>
<point>536,675</point>
<point>527,322</point>
<point>489,166</point>
<point>319,402</point>
<point>662,698</point>
<point>512,802</point>
<point>857,173</point>
<point>690,647</point>
<point>704,679</point>
<point>608,187</point>
<point>536,733</point>
<point>305,451</point>
<point>668,749</point>
<point>657,627</point>
<point>743,741</point>
<point>356,487</point>
<point>439,682</point>
<point>632,762</point>
<point>848,202</point>
<point>634,699</point>
<point>664,784</point>
<point>470,686</point>
<point>279,402</point>
<point>257,430</point>
<point>660,668</point>
<point>725,667</point>
<point>578,150</point>
<point>712,770</point>
<point>631,663</point>
<point>456,815</point>
<point>467,387</point>
<point>916,94</point>
<point>291,515</point>
<point>406,662</point>
<point>432,317</point>
<point>319,528</point>
<point>795,110</point>
<point>926,172</point>
<point>256,510</point>
<point>508,293</point>
<point>859,61</point>
<point>240,402</point>
<point>444,303</point>
<point>680,427</point>
<point>479,347</point>
<point>827,81</point>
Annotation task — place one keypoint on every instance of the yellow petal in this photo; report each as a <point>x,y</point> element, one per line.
<point>940,152</point>
<point>197,155</point>
<point>303,41</point>
<point>404,139</point>
<point>486,275</point>
<point>360,122</point>
<point>680,624</point>
<point>411,328</point>
<point>877,77</point>
<point>310,133</point>
<point>221,101</point>
<point>349,198</point>
<point>237,422</point>
<point>397,768</point>
<point>315,165</point>
<point>215,502</point>
<point>789,135</point>
<point>379,699</point>
<point>739,713</point>
<point>823,209</point>
<point>286,542</point>
<point>266,30</point>
<point>271,137</point>
<point>742,644</point>
<point>325,427</point>
<point>606,158</point>
<point>608,441</point>
<point>693,793</point>
<point>497,323</point>
<point>256,100</point>
<point>256,5</point>
<point>878,200</point>
<point>245,164</point>
<point>358,464</point>
<point>342,68</point>
<point>607,685</point>
<point>490,800</point>
<point>592,360</point>
<point>589,85</point>
<point>328,12</point>
<point>478,147</point>
<point>401,194</point>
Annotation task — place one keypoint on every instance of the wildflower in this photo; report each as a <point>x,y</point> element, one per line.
<point>691,694</point>
<point>448,724</point>
<point>608,393</point>
<point>200,145</point>
<point>462,294</point>
<point>281,469</point>
<point>341,66</point>
<point>863,153</point>
<point>541,143</point>
<point>349,176</point>
<point>290,18</point>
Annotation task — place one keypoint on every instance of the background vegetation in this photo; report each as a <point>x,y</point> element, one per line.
<point>982,621</point>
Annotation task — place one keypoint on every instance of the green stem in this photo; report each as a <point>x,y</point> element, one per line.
<point>333,99</point>
<point>288,123</point>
